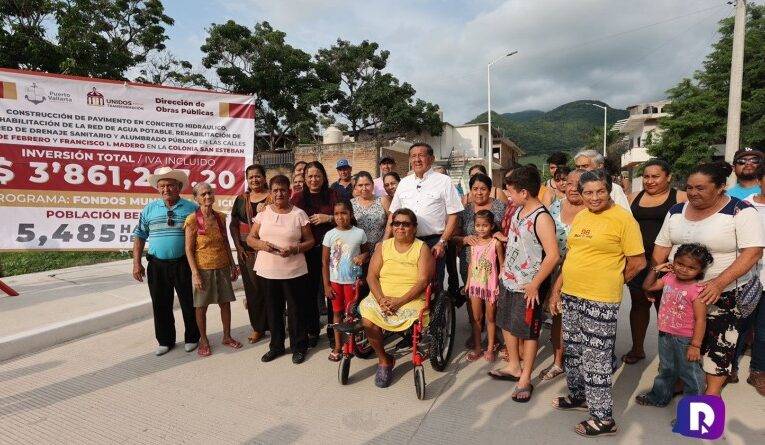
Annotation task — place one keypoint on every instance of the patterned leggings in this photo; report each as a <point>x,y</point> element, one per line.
<point>589,333</point>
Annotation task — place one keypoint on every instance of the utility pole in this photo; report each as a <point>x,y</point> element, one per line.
<point>490,142</point>
<point>605,125</point>
<point>733,132</point>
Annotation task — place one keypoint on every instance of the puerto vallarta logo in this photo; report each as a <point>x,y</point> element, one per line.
<point>95,98</point>
<point>34,94</point>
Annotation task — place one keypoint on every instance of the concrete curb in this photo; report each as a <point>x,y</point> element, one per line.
<point>34,340</point>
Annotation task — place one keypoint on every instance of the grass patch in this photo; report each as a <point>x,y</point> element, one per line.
<point>17,263</point>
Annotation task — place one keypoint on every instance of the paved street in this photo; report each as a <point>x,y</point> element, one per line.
<point>109,388</point>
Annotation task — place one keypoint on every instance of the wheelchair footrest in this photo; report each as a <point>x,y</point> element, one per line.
<point>350,327</point>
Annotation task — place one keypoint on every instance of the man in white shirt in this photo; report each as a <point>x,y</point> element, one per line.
<point>387,165</point>
<point>433,198</point>
<point>592,160</point>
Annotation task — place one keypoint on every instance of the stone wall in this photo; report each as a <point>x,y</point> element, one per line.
<point>361,156</point>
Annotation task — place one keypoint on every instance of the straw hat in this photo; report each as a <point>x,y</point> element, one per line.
<point>168,173</point>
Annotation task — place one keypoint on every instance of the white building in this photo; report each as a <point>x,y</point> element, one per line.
<point>460,146</point>
<point>641,127</point>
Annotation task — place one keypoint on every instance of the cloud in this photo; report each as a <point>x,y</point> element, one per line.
<point>442,47</point>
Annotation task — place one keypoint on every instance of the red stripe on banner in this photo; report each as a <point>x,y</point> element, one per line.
<point>246,111</point>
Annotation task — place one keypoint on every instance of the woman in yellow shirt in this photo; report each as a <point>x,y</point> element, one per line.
<point>399,272</point>
<point>605,249</point>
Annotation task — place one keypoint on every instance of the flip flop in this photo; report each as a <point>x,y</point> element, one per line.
<point>473,356</point>
<point>499,375</point>
<point>551,372</point>
<point>529,390</point>
<point>204,351</point>
<point>630,358</point>
<point>231,343</point>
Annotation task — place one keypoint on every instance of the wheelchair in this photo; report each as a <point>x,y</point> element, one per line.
<point>434,341</point>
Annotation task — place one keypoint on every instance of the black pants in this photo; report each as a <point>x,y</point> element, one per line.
<point>292,292</point>
<point>312,288</point>
<point>164,276</point>
<point>256,301</point>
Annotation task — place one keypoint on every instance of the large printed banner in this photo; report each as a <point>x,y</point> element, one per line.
<point>76,154</point>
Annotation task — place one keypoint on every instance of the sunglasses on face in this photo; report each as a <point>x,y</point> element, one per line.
<point>170,221</point>
<point>404,224</point>
<point>744,161</point>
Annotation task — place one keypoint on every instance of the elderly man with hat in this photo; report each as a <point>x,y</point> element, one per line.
<point>344,184</point>
<point>161,225</point>
<point>746,163</point>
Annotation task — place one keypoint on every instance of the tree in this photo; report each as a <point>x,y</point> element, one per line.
<point>99,38</point>
<point>165,69</point>
<point>698,112</point>
<point>368,99</point>
<point>23,43</point>
<point>259,61</point>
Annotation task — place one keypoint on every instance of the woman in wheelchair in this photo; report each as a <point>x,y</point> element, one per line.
<point>399,273</point>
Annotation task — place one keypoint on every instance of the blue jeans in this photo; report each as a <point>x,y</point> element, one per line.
<point>674,365</point>
<point>755,322</point>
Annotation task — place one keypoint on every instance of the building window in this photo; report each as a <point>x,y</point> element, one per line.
<point>480,141</point>
<point>638,141</point>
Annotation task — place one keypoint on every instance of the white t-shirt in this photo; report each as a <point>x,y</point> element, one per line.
<point>380,187</point>
<point>761,210</point>
<point>431,198</point>
<point>620,198</point>
<point>736,226</point>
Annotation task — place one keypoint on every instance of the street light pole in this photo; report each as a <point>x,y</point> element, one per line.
<point>605,125</point>
<point>490,142</point>
<point>733,132</point>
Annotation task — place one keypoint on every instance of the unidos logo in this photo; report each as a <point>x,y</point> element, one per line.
<point>701,417</point>
<point>95,98</point>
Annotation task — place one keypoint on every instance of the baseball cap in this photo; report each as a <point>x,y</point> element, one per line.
<point>748,152</point>
<point>342,163</point>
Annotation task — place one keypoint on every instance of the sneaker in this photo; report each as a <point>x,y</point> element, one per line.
<point>298,357</point>
<point>161,350</point>
<point>188,347</point>
<point>271,355</point>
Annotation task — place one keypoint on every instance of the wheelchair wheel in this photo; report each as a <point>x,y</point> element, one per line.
<point>343,369</point>
<point>419,381</point>
<point>361,346</point>
<point>442,325</point>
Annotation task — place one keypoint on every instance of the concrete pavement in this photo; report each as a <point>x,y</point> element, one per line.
<point>65,304</point>
<point>109,388</point>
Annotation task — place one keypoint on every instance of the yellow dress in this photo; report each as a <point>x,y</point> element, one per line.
<point>399,272</point>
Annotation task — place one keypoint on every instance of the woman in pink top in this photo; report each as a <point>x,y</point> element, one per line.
<point>682,321</point>
<point>281,234</point>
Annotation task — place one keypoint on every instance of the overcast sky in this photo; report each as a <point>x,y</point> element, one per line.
<point>617,51</point>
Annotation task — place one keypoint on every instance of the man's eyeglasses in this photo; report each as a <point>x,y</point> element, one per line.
<point>744,161</point>
<point>404,224</point>
<point>170,221</point>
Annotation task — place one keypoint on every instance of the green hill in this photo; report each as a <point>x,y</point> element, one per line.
<point>565,128</point>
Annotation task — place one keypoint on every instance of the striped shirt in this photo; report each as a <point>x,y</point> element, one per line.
<point>165,242</point>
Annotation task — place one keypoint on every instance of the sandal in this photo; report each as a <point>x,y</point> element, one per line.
<point>518,391</point>
<point>334,356</point>
<point>255,337</point>
<point>473,356</point>
<point>595,428</point>
<point>643,400</point>
<point>204,351</point>
<point>231,343</point>
<point>551,372</point>
<point>567,403</point>
<point>500,375</point>
<point>630,358</point>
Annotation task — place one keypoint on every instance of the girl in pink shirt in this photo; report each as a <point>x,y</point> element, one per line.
<point>682,321</point>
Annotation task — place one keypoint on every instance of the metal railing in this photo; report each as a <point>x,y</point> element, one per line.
<point>275,158</point>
